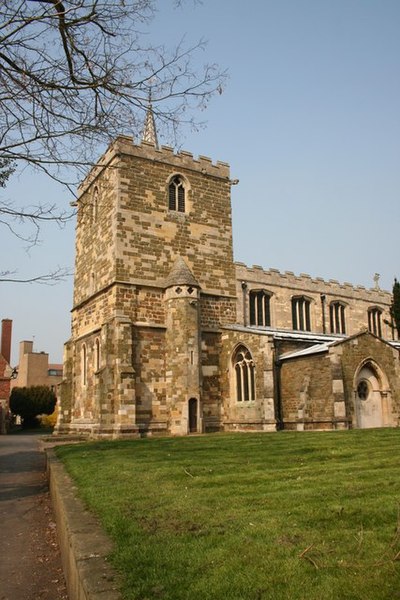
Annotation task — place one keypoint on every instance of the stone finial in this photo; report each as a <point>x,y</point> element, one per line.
<point>376,281</point>
<point>149,134</point>
<point>180,274</point>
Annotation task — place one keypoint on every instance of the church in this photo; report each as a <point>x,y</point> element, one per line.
<point>170,336</point>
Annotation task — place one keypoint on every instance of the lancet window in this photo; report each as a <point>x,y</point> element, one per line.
<point>375,321</point>
<point>337,317</point>
<point>177,194</point>
<point>84,364</point>
<point>97,354</point>
<point>260,313</point>
<point>301,313</point>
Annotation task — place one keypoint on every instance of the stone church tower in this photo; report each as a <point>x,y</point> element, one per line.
<point>170,336</point>
<point>154,282</point>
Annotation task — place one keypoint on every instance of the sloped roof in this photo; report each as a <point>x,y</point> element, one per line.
<point>324,347</point>
<point>307,351</point>
<point>180,274</point>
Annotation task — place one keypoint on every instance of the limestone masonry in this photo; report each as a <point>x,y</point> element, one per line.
<point>170,336</point>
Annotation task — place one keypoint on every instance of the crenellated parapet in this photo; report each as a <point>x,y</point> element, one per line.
<point>289,301</point>
<point>257,275</point>
<point>123,146</point>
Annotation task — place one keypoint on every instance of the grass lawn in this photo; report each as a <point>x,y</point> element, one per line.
<point>284,515</point>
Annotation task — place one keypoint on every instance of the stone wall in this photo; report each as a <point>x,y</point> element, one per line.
<point>306,392</point>
<point>260,413</point>
<point>362,349</point>
<point>283,286</point>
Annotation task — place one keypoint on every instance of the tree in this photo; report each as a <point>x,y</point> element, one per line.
<point>395,308</point>
<point>74,74</point>
<point>29,402</point>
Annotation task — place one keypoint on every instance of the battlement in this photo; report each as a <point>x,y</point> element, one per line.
<point>124,146</point>
<point>257,275</point>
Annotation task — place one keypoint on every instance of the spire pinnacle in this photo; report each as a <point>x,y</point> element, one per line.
<point>149,130</point>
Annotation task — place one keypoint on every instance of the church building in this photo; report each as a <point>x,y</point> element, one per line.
<point>170,336</point>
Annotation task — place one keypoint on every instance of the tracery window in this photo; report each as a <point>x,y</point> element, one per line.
<point>301,313</point>
<point>176,194</point>
<point>244,370</point>
<point>374,321</point>
<point>337,317</point>
<point>260,313</point>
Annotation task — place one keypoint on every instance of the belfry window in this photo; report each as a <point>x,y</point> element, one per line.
<point>244,371</point>
<point>260,313</point>
<point>176,194</point>
<point>301,313</point>
<point>374,321</point>
<point>337,317</point>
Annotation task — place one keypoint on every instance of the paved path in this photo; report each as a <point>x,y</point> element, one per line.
<point>30,566</point>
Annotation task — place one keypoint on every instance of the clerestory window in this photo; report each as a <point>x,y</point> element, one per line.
<point>374,321</point>
<point>301,313</point>
<point>244,372</point>
<point>176,194</point>
<point>337,317</point>
<point>260,313</point>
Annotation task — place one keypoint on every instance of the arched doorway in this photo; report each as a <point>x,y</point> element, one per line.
<point>193,415</point>
<point>371,397</point>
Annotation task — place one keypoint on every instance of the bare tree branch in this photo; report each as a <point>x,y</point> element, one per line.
<point>76,73</point>
<point>52,278</point>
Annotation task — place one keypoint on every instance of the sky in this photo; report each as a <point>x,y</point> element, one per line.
<point>310,123</point>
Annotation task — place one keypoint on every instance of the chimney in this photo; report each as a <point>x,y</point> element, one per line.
<point>5,349</point>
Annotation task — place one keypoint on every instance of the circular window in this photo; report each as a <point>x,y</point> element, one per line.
<point>363,389</point>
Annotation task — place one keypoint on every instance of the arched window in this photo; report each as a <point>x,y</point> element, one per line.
<point>301,313</point>
<point>260,313</point>
<point>244,370</point>
<point>84,364</point>
<point>374,321</point>
<point>97,354</point>
<point>337,317</point>
<point>176,194</point>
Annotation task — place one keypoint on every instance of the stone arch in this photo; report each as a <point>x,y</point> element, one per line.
<point>243,374</point>
<point>372,396</point>
<point>302,312</point>
<point>178,202</point>
<point>193,415</point>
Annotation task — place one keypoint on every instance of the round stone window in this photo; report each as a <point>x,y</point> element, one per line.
<point>363,389</point>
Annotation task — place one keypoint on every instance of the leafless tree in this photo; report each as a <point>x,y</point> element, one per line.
<point>74,74</point>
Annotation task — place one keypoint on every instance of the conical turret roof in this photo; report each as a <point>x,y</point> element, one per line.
<point>180,274</point>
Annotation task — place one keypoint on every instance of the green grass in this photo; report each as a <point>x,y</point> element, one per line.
<point>249,516</point>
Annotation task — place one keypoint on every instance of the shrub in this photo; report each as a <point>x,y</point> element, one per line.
<point>29,402</point>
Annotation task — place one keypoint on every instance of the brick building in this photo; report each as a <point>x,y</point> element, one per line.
<point>170,336</point>
<point>34,369</point>
<point>5,371</point>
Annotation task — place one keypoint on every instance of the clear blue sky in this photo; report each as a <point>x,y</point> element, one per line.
<point>310,124</point>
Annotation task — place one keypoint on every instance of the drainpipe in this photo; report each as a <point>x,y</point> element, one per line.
<point>244,290</point>
<point>277,386</point>
<point>323,298</point>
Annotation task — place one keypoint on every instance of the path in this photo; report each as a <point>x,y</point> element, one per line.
<point>30,565</point>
